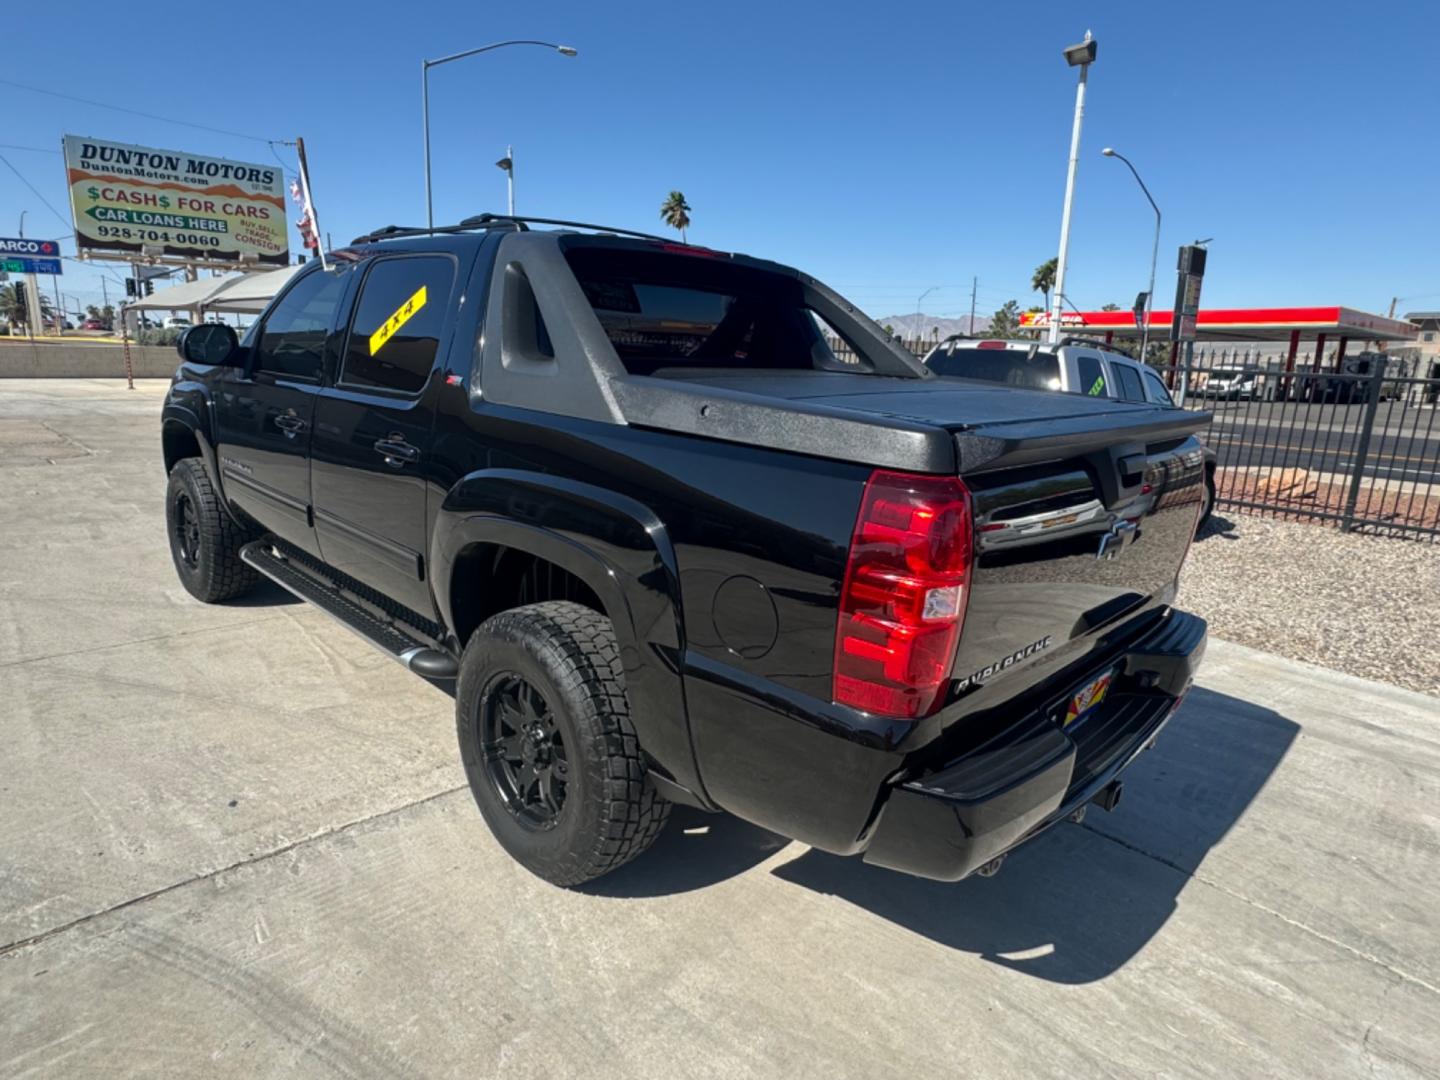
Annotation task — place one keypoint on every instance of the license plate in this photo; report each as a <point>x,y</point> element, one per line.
<point>1087,697</point>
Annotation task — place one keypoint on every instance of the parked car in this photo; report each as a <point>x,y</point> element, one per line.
<point>1072,366</point>
<point>1231,384</point>
<point>95,324</point>
<point>669,548</point>
<point>177,322</point>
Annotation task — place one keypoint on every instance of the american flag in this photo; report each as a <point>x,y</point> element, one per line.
<point>306,224</point>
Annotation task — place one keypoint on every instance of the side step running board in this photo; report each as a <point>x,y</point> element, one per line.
<point>387,636</point>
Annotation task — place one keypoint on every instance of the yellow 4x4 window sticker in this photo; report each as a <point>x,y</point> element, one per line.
<point>401,316</point>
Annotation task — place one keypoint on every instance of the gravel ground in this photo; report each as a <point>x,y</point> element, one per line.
<point>1364,605</point>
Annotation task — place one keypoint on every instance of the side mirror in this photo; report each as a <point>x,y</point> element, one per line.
<point>209,343</point>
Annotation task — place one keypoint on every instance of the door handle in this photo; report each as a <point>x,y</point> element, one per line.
<point>291,425</point>
<point>396,451</point>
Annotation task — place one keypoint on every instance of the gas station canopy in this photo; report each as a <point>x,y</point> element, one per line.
<point>1239,324</point>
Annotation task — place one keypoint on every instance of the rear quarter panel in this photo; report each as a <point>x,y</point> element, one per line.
<point>758,542</point>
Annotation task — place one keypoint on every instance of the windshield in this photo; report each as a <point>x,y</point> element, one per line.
<point>1038,371</point>
<point>690,311</point>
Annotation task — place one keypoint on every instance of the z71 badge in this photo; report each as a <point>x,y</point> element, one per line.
<point>1000,665</point>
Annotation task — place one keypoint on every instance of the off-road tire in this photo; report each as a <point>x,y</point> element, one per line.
<point>216,573</point>
<point>611,812</point>
<point>1208,506</point>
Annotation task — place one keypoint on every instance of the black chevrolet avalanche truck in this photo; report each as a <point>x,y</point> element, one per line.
<point>685,526</point>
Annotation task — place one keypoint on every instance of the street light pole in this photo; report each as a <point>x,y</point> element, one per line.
<point>919,335</point>
<point>1081,56</point>
<point>426,65</point>
<point>1154,251</point>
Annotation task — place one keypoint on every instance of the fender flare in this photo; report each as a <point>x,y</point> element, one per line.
<point>188,406</point>
<point>620,549</point>
<point>192,412</point>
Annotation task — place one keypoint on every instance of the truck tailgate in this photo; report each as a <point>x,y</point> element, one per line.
<point>1076,527</point>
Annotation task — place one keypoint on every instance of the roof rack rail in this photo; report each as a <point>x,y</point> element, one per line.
<point>495,221</point>
<point>1096,343</point>
<point>488,221</point>
<point>391,231</point>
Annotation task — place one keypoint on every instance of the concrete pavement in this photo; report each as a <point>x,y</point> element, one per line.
<point>234,841</point>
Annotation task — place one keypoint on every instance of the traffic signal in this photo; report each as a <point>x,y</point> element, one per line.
<point>130,289</point>
<point>22,294</point>
<point>149,287</point>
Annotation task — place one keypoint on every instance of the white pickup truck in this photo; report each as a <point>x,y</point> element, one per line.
<point>1072,366</point>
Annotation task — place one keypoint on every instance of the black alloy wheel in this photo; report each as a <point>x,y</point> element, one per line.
<point>524,750</point>
<point>187,530</point>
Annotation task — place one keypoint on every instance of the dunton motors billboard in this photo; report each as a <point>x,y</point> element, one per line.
<point>134,199</point>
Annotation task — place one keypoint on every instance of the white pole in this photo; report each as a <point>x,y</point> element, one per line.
<point>1055,303</point>
<point>310,203</point>
<point>510,177</point>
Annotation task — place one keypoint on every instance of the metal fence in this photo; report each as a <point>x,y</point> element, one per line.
<point>1358,448</point>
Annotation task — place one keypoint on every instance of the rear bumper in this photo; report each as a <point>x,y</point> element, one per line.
<point>955,818</point>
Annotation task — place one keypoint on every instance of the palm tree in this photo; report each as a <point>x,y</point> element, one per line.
<point>12,304</point>
<point>675,212</point>
<point>1043,279</point>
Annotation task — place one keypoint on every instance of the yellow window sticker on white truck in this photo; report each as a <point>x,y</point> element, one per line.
<point>392,325</point>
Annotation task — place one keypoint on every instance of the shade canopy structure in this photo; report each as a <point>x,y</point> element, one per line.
<point>239,293</point>
<point>252,292</point>
<point>183,297</point>
<point>1239,324</point>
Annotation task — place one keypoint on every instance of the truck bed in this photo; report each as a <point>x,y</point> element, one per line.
<point>1052,476</point>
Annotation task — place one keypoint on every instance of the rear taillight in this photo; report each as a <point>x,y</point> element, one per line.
<point>903,602</point>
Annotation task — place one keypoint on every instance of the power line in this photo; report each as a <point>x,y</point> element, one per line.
<point>35,191</point>
<point>32,149</point>
<point>137,112</point>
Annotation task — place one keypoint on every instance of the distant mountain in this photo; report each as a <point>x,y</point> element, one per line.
<point>926,326</point>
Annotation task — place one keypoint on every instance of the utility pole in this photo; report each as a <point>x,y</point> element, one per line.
<point>974,284</point>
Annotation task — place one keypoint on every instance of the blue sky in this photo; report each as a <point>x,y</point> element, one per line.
<point>884,148</point>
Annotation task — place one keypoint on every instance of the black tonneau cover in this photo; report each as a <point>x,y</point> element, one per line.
<point>925,425</point>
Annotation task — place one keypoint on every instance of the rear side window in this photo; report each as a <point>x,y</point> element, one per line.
<point>1156,389</point>
<point>395,332</point>
<point>1130,388</point>
<point>292,341</point>
<point>1092,376</point>
<point>1037,371</point>
<point>685,311</point>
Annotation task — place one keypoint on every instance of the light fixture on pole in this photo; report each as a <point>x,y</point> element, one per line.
<point>919,334</point>
<point>1154,250</point>
<point>1081,56</point>
<point>508,164</point>
<point>426,65</point>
